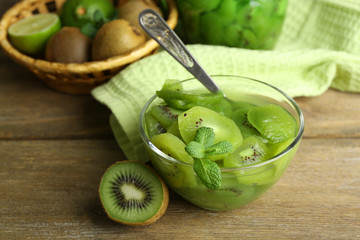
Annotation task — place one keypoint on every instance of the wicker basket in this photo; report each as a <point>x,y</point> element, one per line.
<point>72,78</point>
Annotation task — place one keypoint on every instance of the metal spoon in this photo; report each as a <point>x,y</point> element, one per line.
<point>159,30</point>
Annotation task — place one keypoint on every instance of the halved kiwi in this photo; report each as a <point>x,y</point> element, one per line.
<point>133,194</point>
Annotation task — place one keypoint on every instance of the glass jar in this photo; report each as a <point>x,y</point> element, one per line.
<point>253,24</point>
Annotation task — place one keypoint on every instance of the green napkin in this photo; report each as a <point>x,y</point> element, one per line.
<point>319,48</point>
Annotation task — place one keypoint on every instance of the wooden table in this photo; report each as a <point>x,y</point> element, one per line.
<point>55,147</point>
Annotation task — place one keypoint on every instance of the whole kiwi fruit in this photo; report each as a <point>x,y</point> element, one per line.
<point>130,11</point>
<point>68,45</point>
<point>115,38</point>
<point>132,193</point>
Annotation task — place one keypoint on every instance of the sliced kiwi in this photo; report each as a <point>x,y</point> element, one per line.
<point>174,96</point>
<point>188,97</point>
<point>172,84</point>
<point>283,161</point>
<point>240,118</point>
<point>232,194</point>
<point>176,174</point>
<point>184,100</point>
<point>281,146</point>
<point>153,126</point>
<point>259,176</point>
<point>273,122</point>
<point>165,114</point>
<point>133,194</point>
<point>225,129</point>
<point>253,150</point>
<point>162,119</point>
<point>174,129</point>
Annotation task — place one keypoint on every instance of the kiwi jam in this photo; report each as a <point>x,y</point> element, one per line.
<point>259,128</point>
<point>251,24</point>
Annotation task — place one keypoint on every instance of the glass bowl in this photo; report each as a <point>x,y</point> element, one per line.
<point>239,185</point>
<point>254,24</point>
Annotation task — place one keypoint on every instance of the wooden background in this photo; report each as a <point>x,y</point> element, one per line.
<point>54,148</point>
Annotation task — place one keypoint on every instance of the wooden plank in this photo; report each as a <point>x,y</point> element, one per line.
<point>53,194</point>
<point>29,109</point>
<point>333,114</point>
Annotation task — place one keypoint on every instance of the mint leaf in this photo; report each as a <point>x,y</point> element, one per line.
<point>205,136</point>
<point>89,30</point>
<point>98,16</point>
<point>97,20</point>
<point>219,148</point>
<point>203,145</point>
<point>195,149</point>
<point>208,172</point>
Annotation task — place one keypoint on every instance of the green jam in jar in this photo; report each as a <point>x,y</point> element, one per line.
<point>253,24</point>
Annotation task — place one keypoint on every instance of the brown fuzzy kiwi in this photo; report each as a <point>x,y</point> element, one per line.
<point>130,11</point>
<point>133,194</point>
<point>68,45</point>
<point>115,38</point>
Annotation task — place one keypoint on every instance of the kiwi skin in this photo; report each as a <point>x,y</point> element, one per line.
<point>130,11</point>
<point>68,45</point>
<point>115,38</point>
<point>162,208</point>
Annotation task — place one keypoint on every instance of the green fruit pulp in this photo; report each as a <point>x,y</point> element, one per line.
<point>117,182</point>
<point>240,118</point>
<point>31,34</point>
<point>254,24</point>
<point>165,115</point>
<point>153,126</point>
<point>196,117</point>
<point>253,150</point>
<point>273,122</point>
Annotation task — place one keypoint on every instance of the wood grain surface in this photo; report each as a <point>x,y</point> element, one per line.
<point>54,148</point>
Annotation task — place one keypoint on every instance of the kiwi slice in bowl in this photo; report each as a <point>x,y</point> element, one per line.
<point>132,193</point>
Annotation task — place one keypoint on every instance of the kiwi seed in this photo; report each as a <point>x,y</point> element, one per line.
<point>133,194</point>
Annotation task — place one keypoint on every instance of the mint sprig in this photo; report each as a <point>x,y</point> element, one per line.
<point>97,19</point>
<point>205,136</point>
<point>195,149</point>
<point>209,173</point>
<point>202,147</point>
<point>219,148</point>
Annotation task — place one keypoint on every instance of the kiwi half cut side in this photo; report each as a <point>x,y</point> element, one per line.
<point>132,193</point>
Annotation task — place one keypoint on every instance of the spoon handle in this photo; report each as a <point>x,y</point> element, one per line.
<point>157,28</point>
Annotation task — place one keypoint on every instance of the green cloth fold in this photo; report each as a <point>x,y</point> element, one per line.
<point>319,48</point>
